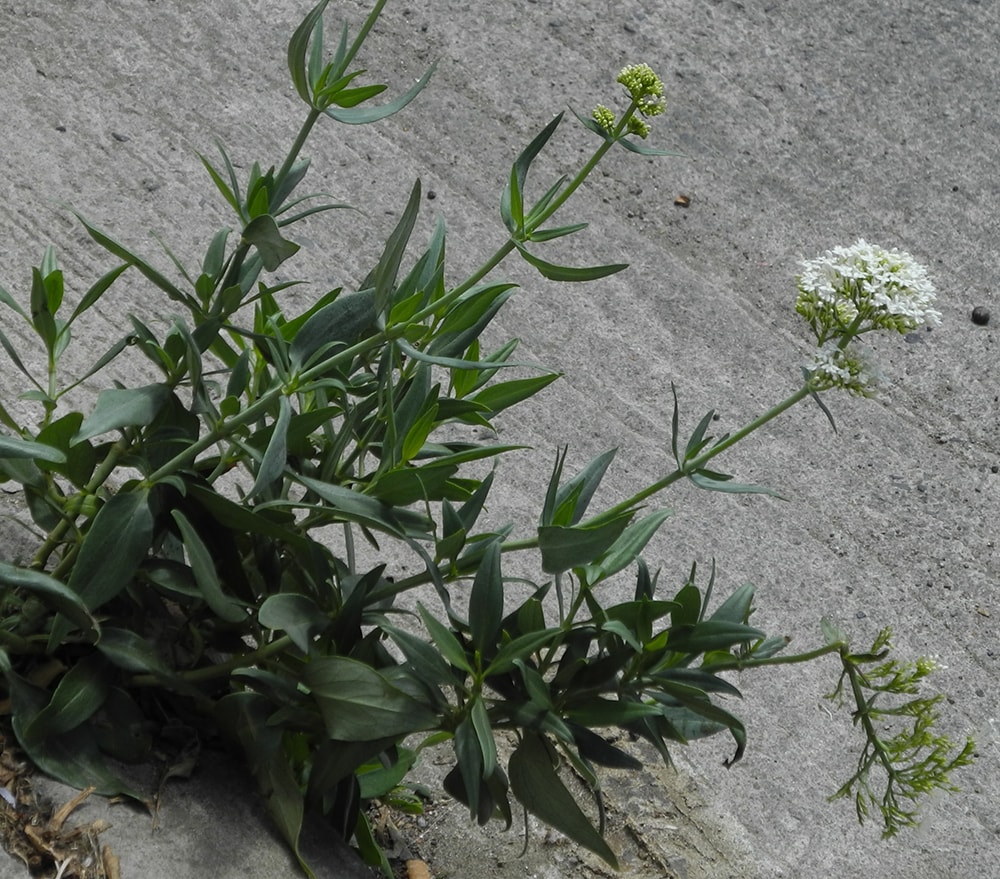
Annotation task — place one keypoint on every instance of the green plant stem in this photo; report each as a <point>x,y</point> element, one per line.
<point>296,148</point>
<point>738,664</point>
<point>508,246</point>
<point>101,475</point>
<point>585,171</point>
<point>863,713</point>
<point>220,670</point>
<point>697,463</point>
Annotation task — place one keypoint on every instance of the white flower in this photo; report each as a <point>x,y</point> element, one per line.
<point>850,368</point>
<point>862,288</point>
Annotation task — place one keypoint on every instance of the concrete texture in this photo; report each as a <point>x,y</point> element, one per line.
<point>806,124</point>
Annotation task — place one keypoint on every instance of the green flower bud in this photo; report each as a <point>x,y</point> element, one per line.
<point>645,87</point>
<point>604,117</point>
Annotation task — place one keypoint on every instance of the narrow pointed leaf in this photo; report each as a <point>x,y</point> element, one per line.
<point>53,593</point>
<point>205,573</point>
<point>362,115</point>
<point>486,600</point>
<point>275,459</point>
<point>569,273</point>
<point>536,784</point>
<point>14,447</point>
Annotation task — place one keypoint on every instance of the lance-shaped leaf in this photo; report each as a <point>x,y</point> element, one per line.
<point>343,322</point>
<point>512,200</point>
<point>626,548</point>
<point>298,49</point>
<point>357,703</point>
<point>387,270</point>
<point>350,506</point>
<point>72,757</point>
<point>537,785</point>
<point>566,547</point>
<point>113,548</point>
<point>205,573</point>
<point>245,715</point>
<point>51,592</point>
<point>272,465</point>
<point>555,272</point>
<point>144,267</point>
<point>364,115</point>
<point>80,692</point>
<point>123,407</point>
<point>15,447</point>
<point>486,600</point>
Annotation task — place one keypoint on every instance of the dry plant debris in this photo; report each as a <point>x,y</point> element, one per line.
<point>34,833</point>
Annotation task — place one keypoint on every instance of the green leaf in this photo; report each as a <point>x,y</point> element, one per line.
<point>511,203</point>
<point>559,232</point>
<point>711,635</point>
<point>426,663</point>
<point>14,447</point>
<point>351,506</point>
<point>536,784</point>
<point>486,600</point>
<point>503,395</point>
<point>297,615</point>
<point>380,780</point>
<point>568,273</point>
<point>446,642</point>
<point>117,408</point>
<point>642,150</point>
<point>263,233</point>
<point>626,548</point>
<point>564,548</point>
<point>711,481</point>
<point>52,593</point>
<point>112,550</point>
<point>72,757</point>
<point>205,573</point>
<point>608,712</point>
<point>518,650</point>
<point>387,269</point>
<point>275,459</point>
<point>359,704</point>
<point>466,319</point>
<point>245,716</point>
<point>96,291</point>
<point>572,499</point>
<point>737,607</point>
<point>341,323</point>
<point>80,692</point>
<point>362,116</point>
<point>144,267</point>
<point>298,48</point>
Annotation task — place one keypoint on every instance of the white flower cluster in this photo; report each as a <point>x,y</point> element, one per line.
<point>863,287</point>
<point>850,368</point>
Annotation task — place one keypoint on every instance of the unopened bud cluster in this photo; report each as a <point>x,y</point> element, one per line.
<point>646,91</point>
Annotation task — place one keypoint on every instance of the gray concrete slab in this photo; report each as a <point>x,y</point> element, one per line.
<point>806,124</point>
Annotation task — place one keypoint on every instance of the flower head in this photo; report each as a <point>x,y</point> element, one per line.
<point>604,117</point>
<point>645,87</point>
<point>863,287</point>
<point>849,368</point>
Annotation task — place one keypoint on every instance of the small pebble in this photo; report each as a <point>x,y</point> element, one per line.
<point>980,316</point>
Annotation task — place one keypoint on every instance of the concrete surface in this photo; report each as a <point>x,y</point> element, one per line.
<point>806,124</point>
